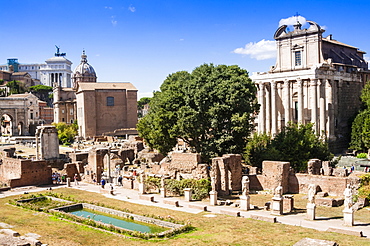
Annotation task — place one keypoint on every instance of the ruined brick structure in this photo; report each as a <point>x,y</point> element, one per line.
<point>22,172</point>
<point>277,173</point>
<point>227,171</point>
<point>181,165</point>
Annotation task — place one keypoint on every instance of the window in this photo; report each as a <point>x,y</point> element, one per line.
<point>31,116</point>
<point>298,58</point>
<point>110,101</point>
<point>71,111</point>
<point>62,119</point>
<point>62,111</point>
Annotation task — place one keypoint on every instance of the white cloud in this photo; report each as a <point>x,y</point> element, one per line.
<point>114,22</point>
<point>367,58</point>
<point>292,20</point>
<point>107,7</point>
<point>262,50</point>
<point>181,39</point>
<point>132,8</point>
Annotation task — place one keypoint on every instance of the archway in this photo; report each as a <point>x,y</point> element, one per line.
<point>6,125</point>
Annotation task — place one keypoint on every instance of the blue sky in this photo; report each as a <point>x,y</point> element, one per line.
<point>144,41</point>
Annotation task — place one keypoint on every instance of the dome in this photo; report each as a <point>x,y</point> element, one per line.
<point>84,72</point>
<point>84,67</point>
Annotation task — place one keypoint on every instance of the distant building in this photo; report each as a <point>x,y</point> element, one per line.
<point>316,80</point>
<point>56,69</point>
<point>100,108</point>
<point>20,114</point>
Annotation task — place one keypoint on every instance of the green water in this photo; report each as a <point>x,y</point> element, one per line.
<point>109,220</point>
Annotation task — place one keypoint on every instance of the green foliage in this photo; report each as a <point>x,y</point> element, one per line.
<point>200,187</point>
<point>66,133</point>
<point>1,81</point>
<point>361,155</point>
<point>295,143</point>
<point>38,88</point>
<point>360,135</point>
<point>364,189</point>
<point>143,101</point>
<point>16,87</point>
<point>211,109</point>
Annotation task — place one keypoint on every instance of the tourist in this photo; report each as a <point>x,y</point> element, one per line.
<point>103,183</point>
<point>120,180</point>
<point>75,178</point>
<point>53,178</point>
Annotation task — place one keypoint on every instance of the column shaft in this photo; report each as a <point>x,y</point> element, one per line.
<point>273,108</point>
<point>313,87</point>
<point>287,102</point>
<point>300,102</point>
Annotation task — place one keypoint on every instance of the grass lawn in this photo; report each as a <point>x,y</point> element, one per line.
<point>219,230</point>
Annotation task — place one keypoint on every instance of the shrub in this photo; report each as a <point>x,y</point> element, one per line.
<point>361,155</point>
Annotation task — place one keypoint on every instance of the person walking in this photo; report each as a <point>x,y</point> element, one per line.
<point>120,180</point>
<point>76,179</point>
<point>103,183</point>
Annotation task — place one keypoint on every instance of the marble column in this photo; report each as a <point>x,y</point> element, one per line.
<point>322,106</point>
<point>268,108</point>
<point>300,102</point>
<point>313,96</point>
<point>286,90</point>
<point>330,103</point>
<point>273,108</point>
<point>262,113</point>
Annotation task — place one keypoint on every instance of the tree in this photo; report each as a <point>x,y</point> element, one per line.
<point>66,133</point>
<point>211,109</point>
<point>43,92</point>
<point>360,135</point>
<point>295,143</point>
<point>16,87</point>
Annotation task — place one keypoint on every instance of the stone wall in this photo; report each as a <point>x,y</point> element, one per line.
<point>334,186</point>
<point>227,173</point>
<point>19,172</point>
<point>275,173</point>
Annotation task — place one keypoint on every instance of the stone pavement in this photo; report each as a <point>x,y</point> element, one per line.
<point>129,195</point>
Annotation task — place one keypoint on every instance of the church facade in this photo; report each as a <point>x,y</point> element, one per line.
<point>100,108</point>
<point>316,80</point>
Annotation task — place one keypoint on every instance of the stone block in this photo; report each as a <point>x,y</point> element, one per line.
<point>213,198</point>
<point>328,202</point>
<point>348,217</point>
<point>276,173</point>
<point>197,206</point>
<point>271,219</point>
<point>146,198</point>
<point>230,213</point>
<point>277,206</point>
<point>288,203</point>
<point>188,193</point>
<point>10,232</point>
<point>311,211</point>
<point>171,202</point>
<point>314,242</point>
<point>245,202</point>
<point>345,231</point>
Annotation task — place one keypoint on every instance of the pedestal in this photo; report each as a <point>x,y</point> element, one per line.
<point>311,211</point>
<point>188,192</point>
<point>68,182</point>
<point>163,192</point>
<point>245,203</point>
<point>213,198</point>
<point>277,206</point>
<point>142,188</point>
<point>348,217</point>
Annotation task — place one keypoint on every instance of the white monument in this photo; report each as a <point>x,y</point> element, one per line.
<point>245,198</point>
<point>348,209</point>
<point>277,201</point>
<point>311,206</point>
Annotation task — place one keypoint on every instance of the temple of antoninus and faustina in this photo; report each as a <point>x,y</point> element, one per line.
<point>316,80</point>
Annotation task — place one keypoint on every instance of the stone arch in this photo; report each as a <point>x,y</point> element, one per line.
<point>7,122</point>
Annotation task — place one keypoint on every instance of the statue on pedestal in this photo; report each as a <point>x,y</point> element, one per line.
<point>278,192</point>
<point>245,186</point>
<point>311,193</point>
<point>348,197</point>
